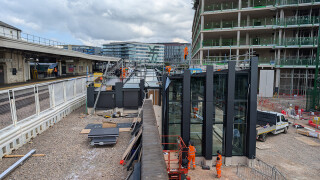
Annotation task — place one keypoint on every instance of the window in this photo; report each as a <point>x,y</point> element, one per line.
<point>174,110</point>
<point>240,114</point>
<point>197,110</point>
<point>219,116</point>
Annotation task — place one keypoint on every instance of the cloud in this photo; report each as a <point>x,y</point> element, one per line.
<point>98,21</point>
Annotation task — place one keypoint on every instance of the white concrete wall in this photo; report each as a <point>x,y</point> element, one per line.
<point>20,65</point>
<point>10,33</point>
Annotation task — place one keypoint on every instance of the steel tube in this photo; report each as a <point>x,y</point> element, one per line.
<point>16,164</point>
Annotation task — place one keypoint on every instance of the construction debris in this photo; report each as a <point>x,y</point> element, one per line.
<point>103,136</point>
<point>85,131</point>
<point>16,164</point>
<point>16,156</point>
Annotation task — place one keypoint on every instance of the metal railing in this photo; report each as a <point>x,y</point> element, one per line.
<point>30,38</point>
<point>259,170</point>
<point>298,41</point>
<point>23,103</point>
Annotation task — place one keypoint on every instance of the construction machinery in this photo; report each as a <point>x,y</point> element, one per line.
<point>176,158</point>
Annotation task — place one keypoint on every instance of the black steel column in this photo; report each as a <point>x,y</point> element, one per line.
<point>208,117</point>
<point>165,125</point>
<point>119,94</point>
<point>90,96</point>
<point>252,118</point>
<point>230,108</point>
<point>186,106</point>
<point>141,97</point>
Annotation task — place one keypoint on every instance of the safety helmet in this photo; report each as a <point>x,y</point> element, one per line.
<point>218,152</point>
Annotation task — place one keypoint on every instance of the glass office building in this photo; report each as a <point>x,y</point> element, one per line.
<point>174,52</point>
<point>216,110</point>
<point>84,49</point>
<point>135,51</point>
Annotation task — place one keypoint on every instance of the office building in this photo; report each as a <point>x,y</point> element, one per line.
<point>174,52</point>
<point>135,51</point>
<point>282,34</point>
<point>84,49</point>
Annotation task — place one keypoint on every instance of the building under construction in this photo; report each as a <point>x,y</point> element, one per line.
<point>283,34</point>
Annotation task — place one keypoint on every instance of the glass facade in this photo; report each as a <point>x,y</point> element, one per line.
<point>135,51</point>
<point>219,118</point>
<point>229,126</point>
<point>240,114</point>
<point>197,112</point>
<point>175,110</point>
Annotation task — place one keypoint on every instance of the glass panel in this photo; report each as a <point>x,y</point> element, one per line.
<point>175,112</point>
<point>197,89</point>
<point>240,109</point>
<point>197,112</point>
<point>218,138</point>
<point>196,137</point>
<point>174,129</point>
<point>197,107</point>
<point>238,142</point>
<point>220,94</point>
<point>175,90</point>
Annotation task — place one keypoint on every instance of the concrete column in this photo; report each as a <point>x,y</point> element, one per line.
<point>201,57</point>
<point>278,73</point>
<point>240,4</point>
<point>247,39</point>
<point>248,20</point>
<point>239,19</point>
<point>202,23</point>
<point>292,73</point>
<point>202,6</point>
<point>59,67</point>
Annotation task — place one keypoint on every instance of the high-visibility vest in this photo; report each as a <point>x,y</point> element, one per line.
<point>55,70</point>
<point>219,162</point>
<point>192,151</point>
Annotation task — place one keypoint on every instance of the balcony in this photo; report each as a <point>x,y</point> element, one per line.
<point>222,7</point>
<point>258,4</point>
<point>243,42</point>
<point>298,21</point>
<point>229,6</point>
<point>298,41</point>
<point>304,61</point>
<point>295,2</point>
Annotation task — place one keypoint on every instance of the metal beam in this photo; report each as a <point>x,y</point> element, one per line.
<point>251,137</point>
<point>186,107</point>
<point>16,164</point>
<point>207,146</point>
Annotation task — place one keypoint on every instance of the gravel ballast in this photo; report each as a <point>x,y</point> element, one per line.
<point>68,153</point>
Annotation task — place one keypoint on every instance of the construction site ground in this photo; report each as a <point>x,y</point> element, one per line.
<point>296,156</point>
<point>68,154</point>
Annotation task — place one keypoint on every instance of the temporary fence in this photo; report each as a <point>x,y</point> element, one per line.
<point>259,170</point>
<point>29,110</point>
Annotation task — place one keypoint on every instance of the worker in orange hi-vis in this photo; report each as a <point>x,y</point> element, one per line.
<point>191,155</point>
<point>219,164</point>
<point>168,69</point>
<point>186,52</point>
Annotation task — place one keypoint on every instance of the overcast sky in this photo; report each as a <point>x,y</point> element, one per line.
<point>94,22</point>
